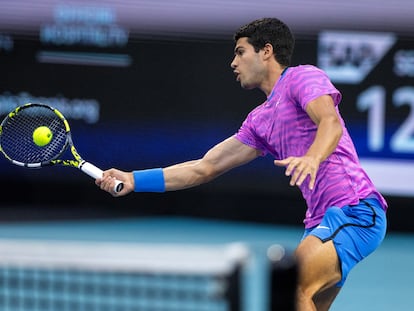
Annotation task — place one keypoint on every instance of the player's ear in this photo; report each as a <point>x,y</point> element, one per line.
<point>268,51</point>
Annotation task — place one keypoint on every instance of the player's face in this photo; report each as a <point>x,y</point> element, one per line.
<point>247,65</point>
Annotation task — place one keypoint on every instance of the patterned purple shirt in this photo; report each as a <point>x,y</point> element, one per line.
<point>282,128</point>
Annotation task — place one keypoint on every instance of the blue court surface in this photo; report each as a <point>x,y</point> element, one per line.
<point>382,282</point>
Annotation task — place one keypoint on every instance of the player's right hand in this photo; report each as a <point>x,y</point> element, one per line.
<point>107,182</point>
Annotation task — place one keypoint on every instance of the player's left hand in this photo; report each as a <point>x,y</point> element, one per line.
<point>299,168</point>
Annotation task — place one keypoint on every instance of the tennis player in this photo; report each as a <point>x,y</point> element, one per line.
<point>301,127</point>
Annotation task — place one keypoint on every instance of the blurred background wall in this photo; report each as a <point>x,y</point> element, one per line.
<point>149,84</point>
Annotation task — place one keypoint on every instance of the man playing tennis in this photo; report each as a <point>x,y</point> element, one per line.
<point>301,127</point>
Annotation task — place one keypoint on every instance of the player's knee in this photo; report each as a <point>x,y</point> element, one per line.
<point>304,298</point>
<point>302,295</point>
<point>318,266</point>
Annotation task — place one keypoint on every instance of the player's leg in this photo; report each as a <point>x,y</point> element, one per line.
<point>328,252</point>
<point>319,272</point>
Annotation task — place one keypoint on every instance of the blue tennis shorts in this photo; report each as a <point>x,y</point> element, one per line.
<point>356,230</point>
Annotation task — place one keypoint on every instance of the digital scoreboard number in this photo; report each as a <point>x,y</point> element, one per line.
<point>375,74</point>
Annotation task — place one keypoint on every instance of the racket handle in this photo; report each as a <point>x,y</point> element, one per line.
<point>96,172</point>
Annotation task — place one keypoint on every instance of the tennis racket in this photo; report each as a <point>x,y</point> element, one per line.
<point>19,145</point>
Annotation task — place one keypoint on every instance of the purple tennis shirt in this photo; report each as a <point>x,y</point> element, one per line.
<point>282,128</point>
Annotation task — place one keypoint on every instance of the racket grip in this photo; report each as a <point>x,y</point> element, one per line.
<point>96,172</point>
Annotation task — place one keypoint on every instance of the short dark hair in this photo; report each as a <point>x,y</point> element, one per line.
<point>269,30</point>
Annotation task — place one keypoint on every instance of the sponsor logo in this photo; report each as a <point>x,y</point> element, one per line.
<point>348,57</point>
<point>322,227</point>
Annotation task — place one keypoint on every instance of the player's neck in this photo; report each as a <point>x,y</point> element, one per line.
<point>274,77</point>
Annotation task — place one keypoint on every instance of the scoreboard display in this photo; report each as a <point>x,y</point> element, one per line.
<point>375,73</point>
<point>135,100</point>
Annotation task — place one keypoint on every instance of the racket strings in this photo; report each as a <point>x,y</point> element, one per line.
<point>17,135</point>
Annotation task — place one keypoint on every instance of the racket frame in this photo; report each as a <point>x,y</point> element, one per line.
<point>77,161</point>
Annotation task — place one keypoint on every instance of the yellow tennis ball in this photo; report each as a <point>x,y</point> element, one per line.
<point>42,136</point>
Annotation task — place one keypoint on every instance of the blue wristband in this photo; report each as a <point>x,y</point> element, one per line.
<point>150,180</point>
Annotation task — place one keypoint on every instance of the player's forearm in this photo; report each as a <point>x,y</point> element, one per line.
<point>174,177</point>
<point>327,138</point>
<point>186,175</point>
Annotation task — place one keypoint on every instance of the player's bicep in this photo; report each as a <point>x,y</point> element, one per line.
<point>224,156</point>
<point>228,154</point>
